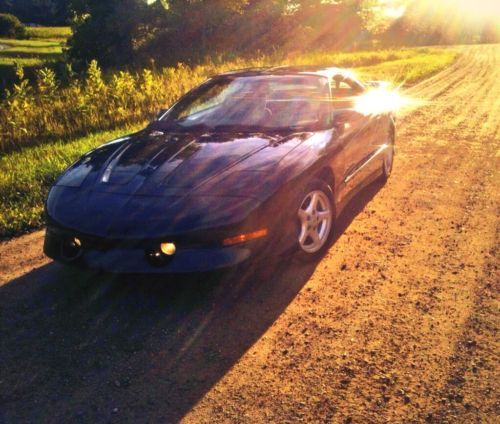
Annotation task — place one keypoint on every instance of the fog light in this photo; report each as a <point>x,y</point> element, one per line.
<point>71,249</point>
<point>160,255</point>
<point>168,248</point>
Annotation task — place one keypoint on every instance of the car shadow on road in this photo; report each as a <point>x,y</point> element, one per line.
<point>88,347</point>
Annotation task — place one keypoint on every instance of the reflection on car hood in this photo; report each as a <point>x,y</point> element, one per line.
<point>164,164</point>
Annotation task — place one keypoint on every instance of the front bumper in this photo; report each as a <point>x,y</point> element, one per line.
<point>132,258</point>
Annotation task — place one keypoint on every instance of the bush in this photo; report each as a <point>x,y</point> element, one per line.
<point>11,27</point>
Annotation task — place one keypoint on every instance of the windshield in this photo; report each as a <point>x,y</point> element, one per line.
<point>270,102</point>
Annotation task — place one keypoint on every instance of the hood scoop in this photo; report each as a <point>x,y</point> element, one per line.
<point>129,161</point>
<point>155,165</point>
<point>142,157</point>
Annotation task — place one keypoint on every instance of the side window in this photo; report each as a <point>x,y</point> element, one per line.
<point>343,87</point>
<point>343,92</point>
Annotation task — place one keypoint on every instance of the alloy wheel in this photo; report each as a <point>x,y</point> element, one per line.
<point>315,215</point>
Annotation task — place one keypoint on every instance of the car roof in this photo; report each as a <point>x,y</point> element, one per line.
<point>324,71</point>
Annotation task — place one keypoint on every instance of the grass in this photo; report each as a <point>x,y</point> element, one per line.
<point>18,50</point>
<point>363,58</point>
<point>410,70</point>
<point>35,114</point>
<point>26,175</point>
<point>59,34</point>
<point>43,48</point>
<point>34,48</point>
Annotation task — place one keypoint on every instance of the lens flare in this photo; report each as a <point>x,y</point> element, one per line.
<point>382,99</point>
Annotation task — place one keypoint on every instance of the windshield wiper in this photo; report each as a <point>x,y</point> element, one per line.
<point>236,127</point>
<point>175,126</point>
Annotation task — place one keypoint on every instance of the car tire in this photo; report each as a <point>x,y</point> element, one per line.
<point>315,216</point>
<point>388,160</point>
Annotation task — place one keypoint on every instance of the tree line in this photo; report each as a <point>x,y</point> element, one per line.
<point>136,33</point>
<point>433,23</point>
<point>117,32</point>
<point>40,12</point>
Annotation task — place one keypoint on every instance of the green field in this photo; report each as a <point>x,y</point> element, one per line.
<point>29,52</point>
<point>57,34</point>
<point>44,47</point>
<point>26,175</point>
<point>410,70</point>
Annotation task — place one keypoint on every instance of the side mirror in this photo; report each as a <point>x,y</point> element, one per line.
<point>161,113</point>
<point>346,120</point>
<point>338,123</point>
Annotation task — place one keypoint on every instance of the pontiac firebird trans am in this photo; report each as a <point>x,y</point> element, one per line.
<point>249,163</point>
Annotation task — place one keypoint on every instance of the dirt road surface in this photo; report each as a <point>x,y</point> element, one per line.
<point>398,323</point>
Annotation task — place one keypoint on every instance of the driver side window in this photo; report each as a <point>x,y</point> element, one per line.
<point>343,92</point>
<point>342,89</point>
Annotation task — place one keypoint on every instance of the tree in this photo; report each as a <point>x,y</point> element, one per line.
<point>44,12</point>
<point>205,24</point>
<point>322,24</point>
<point>11,27</point>
<point>429,22</point>
<point>490,32</point>
<point>118,33</point>
<point>261,26</point>
<point>108,31</point>
<point>191,30</point>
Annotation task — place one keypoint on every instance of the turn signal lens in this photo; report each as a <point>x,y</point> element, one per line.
<point>245,237</point>
<point>168,248</point>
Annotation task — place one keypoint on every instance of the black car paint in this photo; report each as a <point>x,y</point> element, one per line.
<point>195,188</point>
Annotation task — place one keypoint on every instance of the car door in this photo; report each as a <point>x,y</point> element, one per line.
<point>355,128</point>
<point>379,140</point>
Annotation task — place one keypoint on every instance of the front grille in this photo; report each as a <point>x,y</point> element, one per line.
<point>200,239</point>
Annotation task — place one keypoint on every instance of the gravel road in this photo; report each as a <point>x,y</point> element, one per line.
<point>398,323</point>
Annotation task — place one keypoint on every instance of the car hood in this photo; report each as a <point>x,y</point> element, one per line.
<point>153,182</point>
<point>155,163</point>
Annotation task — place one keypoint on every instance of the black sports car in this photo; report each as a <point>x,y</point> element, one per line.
<point>250,162</point>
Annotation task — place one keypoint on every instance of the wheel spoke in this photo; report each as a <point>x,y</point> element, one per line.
<point>303,215</point>
<point>314,202</point>
<point>303,235</point>
<point>324,215</point>
<point>314,236</point>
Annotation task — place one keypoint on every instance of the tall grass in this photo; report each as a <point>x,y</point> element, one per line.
<point>25,177</point>
<point>43,48</point>
<point>33,114</point>
<point>409,70</point>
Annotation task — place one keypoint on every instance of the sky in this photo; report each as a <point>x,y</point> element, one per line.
<point>475,9</point>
